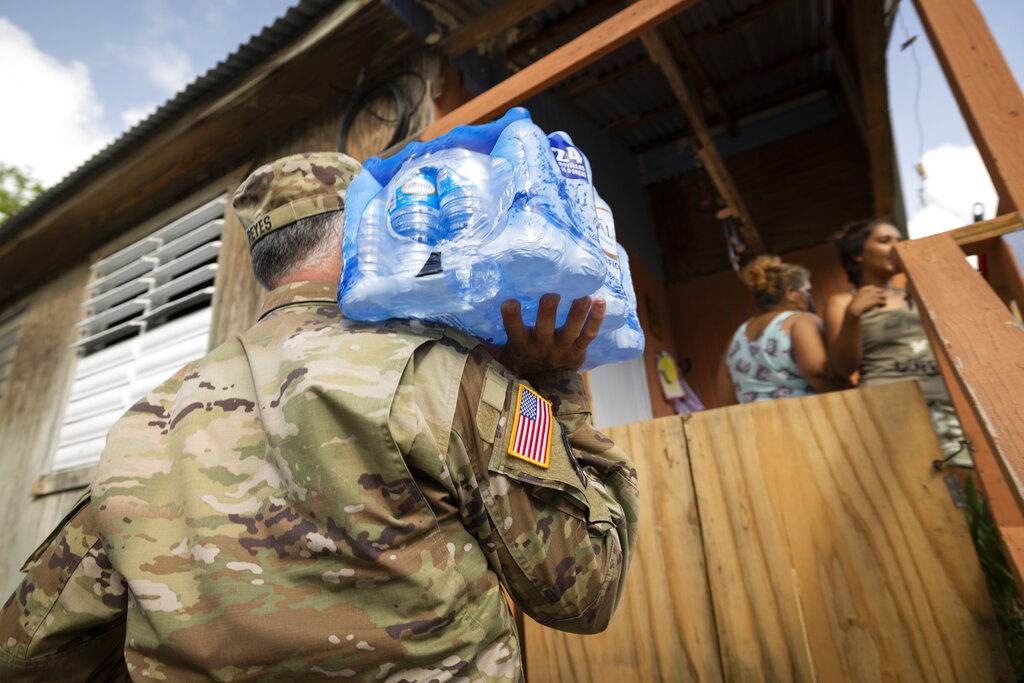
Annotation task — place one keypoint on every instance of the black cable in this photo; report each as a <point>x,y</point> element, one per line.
<point>403,105</point>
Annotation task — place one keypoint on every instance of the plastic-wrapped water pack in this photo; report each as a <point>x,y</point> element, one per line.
<point>449,229</point>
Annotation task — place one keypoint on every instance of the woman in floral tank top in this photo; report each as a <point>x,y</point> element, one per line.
<point>780,352</point>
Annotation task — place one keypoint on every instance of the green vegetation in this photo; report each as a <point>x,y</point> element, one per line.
<point>1002,588</point>
<point>17,188</point>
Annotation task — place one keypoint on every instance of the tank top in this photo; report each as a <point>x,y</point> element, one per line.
<point>765,368</point>
<point>895,348</point>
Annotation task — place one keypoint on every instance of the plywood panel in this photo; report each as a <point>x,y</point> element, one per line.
<point>835,553</point>
<point>663,628</point>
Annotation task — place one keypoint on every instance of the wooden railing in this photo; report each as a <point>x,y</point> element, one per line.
<point>980,349</point>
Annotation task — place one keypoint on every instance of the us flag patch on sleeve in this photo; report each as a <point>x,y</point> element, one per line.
<point>531,428</point>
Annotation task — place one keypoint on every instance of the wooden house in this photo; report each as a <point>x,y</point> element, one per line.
<point>776,110</point>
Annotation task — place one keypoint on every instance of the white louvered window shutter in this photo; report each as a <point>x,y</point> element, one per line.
<point>148,314</point>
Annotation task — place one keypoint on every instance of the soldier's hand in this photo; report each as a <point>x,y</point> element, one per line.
<point>542,348</point>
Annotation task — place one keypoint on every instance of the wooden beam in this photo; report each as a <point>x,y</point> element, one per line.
<point>871,37</point>
<point>981,237</point>
<point>681,47</point>
<point>1008,518</point>
<point>708,153</point>
<point>489,25</point>
<point>990,99</point>
<point>982,342</point>
<point>562,26</point>
<point>586,49</point>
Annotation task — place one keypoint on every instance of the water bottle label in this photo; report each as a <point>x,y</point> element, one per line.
<point>569,159</point>
<point>416,190</point>
<point>606,233</point>
<point>432,266</point>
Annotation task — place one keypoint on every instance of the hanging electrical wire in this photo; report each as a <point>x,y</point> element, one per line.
<point>909,42</point>
<point>405,108</point>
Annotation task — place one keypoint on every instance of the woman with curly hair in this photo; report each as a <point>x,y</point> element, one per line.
<point>875,330</point>
<point>780,352</point>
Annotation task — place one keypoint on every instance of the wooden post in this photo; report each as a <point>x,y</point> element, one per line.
<point>990,99</point>
<point>978,238</point>
<point>983,344</point>
<point>607,36</point>
<point>661,55</point>
<point>870,35</point>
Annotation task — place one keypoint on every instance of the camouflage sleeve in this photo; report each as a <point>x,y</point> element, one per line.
<point>561,537</point>
<point>66,621</point>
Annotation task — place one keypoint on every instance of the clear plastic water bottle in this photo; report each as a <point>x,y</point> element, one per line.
<point>617,309</point>
<point>542,247</point>
<point>414,216</point>
<point>626,342</point>
<point>464,193</point>
<point>372,231</point>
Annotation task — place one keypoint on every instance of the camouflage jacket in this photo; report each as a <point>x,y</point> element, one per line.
<point>322,497</point>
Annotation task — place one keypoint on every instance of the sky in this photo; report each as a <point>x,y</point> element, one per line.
<point>83,73</point>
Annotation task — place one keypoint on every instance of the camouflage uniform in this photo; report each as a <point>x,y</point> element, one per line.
<point>320,497</point>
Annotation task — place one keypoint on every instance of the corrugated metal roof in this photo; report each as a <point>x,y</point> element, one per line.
<point>271,39</point>
<point>777,49</point>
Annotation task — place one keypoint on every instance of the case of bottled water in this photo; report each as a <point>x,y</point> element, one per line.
<point>449,229</point>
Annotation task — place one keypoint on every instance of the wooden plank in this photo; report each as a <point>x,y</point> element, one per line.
<point>716,168</point>
<point>66,480</point>
<point>989,478</point>
<point>989,97</point>
<point>1003,273</point>
<point>607,36</point>
<point>977,238</point>
<point>870,37</point>
<point>834,550</point>
<point>663,629</point>
<point>486,26</point>
<point>975,329</point>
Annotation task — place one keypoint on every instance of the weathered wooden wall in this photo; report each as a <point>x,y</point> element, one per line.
<point>30,411</point>
<point>827,547</point>
<point>707,310</point>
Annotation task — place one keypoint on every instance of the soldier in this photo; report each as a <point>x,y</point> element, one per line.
<point>320,497</point>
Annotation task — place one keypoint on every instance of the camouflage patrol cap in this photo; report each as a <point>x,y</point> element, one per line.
<point>294,187</point>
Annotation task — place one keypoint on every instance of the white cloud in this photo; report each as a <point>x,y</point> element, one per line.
<point>51,118</point>
<point>132,116</point>
<point>956,180</point>
<point>165,65</point>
